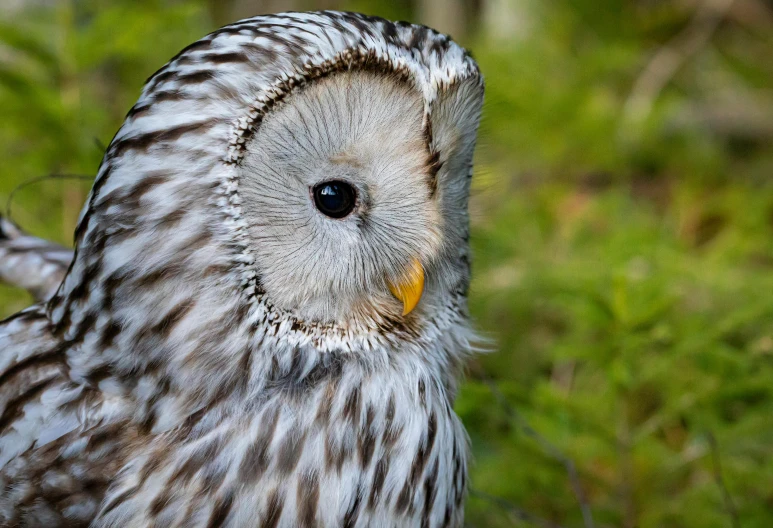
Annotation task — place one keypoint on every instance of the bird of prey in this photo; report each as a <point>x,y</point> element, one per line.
<point>266,312</point>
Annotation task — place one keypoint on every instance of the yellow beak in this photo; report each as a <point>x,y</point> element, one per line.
<point>409,287</point>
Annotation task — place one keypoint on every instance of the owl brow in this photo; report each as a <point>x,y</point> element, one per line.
<point>346,61</point>
<point>297,141</point>
<point>345,158</point>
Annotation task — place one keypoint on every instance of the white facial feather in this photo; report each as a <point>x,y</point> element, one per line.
<point>358,128</point>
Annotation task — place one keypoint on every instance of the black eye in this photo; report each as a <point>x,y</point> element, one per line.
<point>334,198</point>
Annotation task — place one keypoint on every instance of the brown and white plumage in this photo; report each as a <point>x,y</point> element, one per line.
<point>222,354</point>
<point>31,263</point>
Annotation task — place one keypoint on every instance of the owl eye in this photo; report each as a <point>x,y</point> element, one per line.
<point>335,199</point>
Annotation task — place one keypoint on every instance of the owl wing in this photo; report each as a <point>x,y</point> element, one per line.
<point>31,263</point>
<point>44,411</point>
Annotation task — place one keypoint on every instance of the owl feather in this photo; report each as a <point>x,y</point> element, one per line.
<point>225,350</point>
<point>31,263</point>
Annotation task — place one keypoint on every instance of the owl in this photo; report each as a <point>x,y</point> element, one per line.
<point>265,315</point>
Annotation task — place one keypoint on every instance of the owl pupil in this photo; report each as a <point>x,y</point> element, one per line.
<point>334,198</point>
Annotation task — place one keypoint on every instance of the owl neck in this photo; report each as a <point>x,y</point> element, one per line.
<point>220,345</point>
<point>293,352</point>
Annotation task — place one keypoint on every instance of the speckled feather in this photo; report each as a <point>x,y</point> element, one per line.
<point>170,381</point>
<point>31,263</point>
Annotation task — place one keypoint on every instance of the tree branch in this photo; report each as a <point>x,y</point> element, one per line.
<point>669,58</point>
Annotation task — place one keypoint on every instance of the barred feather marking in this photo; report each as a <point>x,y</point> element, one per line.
<point>31,263</point>
<point>166,383</point>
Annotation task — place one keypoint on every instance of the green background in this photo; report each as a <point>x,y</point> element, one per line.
<point>622,227</point>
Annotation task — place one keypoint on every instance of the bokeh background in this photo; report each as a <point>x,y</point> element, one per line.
<point>622,226</point>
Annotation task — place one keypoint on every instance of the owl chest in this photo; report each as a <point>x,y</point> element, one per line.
<point>352,454</point>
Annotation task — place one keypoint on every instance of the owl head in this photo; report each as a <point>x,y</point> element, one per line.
<point>305,169</point>
<point>353,189</point>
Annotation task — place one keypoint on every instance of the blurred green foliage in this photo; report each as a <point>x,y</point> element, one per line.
<point>623,233</point>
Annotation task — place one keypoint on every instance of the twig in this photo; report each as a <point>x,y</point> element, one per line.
<point>671,56</point>
<point>753,14</point>
<point>99,145</point>
<point>547,446</point>
<point>730,508</point>
<point>516,513</point>
<point>32,181</point>
<point>626,472</point>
